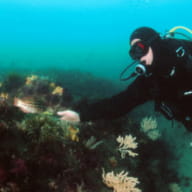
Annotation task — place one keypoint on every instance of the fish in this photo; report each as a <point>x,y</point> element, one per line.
<point>25,105</point>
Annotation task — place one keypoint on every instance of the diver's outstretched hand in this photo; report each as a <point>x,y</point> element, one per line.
<point>69,115</point>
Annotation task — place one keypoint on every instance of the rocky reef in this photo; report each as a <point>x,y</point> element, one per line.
<point>39,152</point>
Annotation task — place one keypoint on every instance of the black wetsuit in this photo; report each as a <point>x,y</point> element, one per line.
<point>170,86</point>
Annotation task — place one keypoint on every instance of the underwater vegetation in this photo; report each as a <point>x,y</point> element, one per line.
<point>12,82</point>
<point>39,152</point>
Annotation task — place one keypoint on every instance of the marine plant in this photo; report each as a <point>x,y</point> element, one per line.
<point>42,127</point>
<point>12,82</point>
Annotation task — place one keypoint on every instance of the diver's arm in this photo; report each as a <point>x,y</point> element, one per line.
<point>110,108</point>
<point>136,93</point>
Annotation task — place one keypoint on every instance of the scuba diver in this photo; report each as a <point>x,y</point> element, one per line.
<point>163,73</point>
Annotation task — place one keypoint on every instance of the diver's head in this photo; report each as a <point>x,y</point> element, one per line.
<point>142,42</point>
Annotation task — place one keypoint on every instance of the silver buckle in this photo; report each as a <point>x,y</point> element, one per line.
<point>180,52</point>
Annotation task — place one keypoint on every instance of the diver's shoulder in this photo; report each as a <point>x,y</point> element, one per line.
<point>175,41</point>
<point>174,44</point>
<point>170,40</point>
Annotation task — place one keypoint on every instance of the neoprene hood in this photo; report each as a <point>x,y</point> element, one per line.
<point>146,34</point>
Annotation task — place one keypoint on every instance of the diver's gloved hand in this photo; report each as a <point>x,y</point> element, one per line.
<point>69,115</point>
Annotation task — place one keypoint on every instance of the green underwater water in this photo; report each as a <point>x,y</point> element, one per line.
<point>88,36</point>
<point>98,59</point>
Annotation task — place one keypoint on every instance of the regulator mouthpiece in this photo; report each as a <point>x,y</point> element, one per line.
<point>140,69</point>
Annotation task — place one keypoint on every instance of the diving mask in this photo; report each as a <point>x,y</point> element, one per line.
<point>138,50</point>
